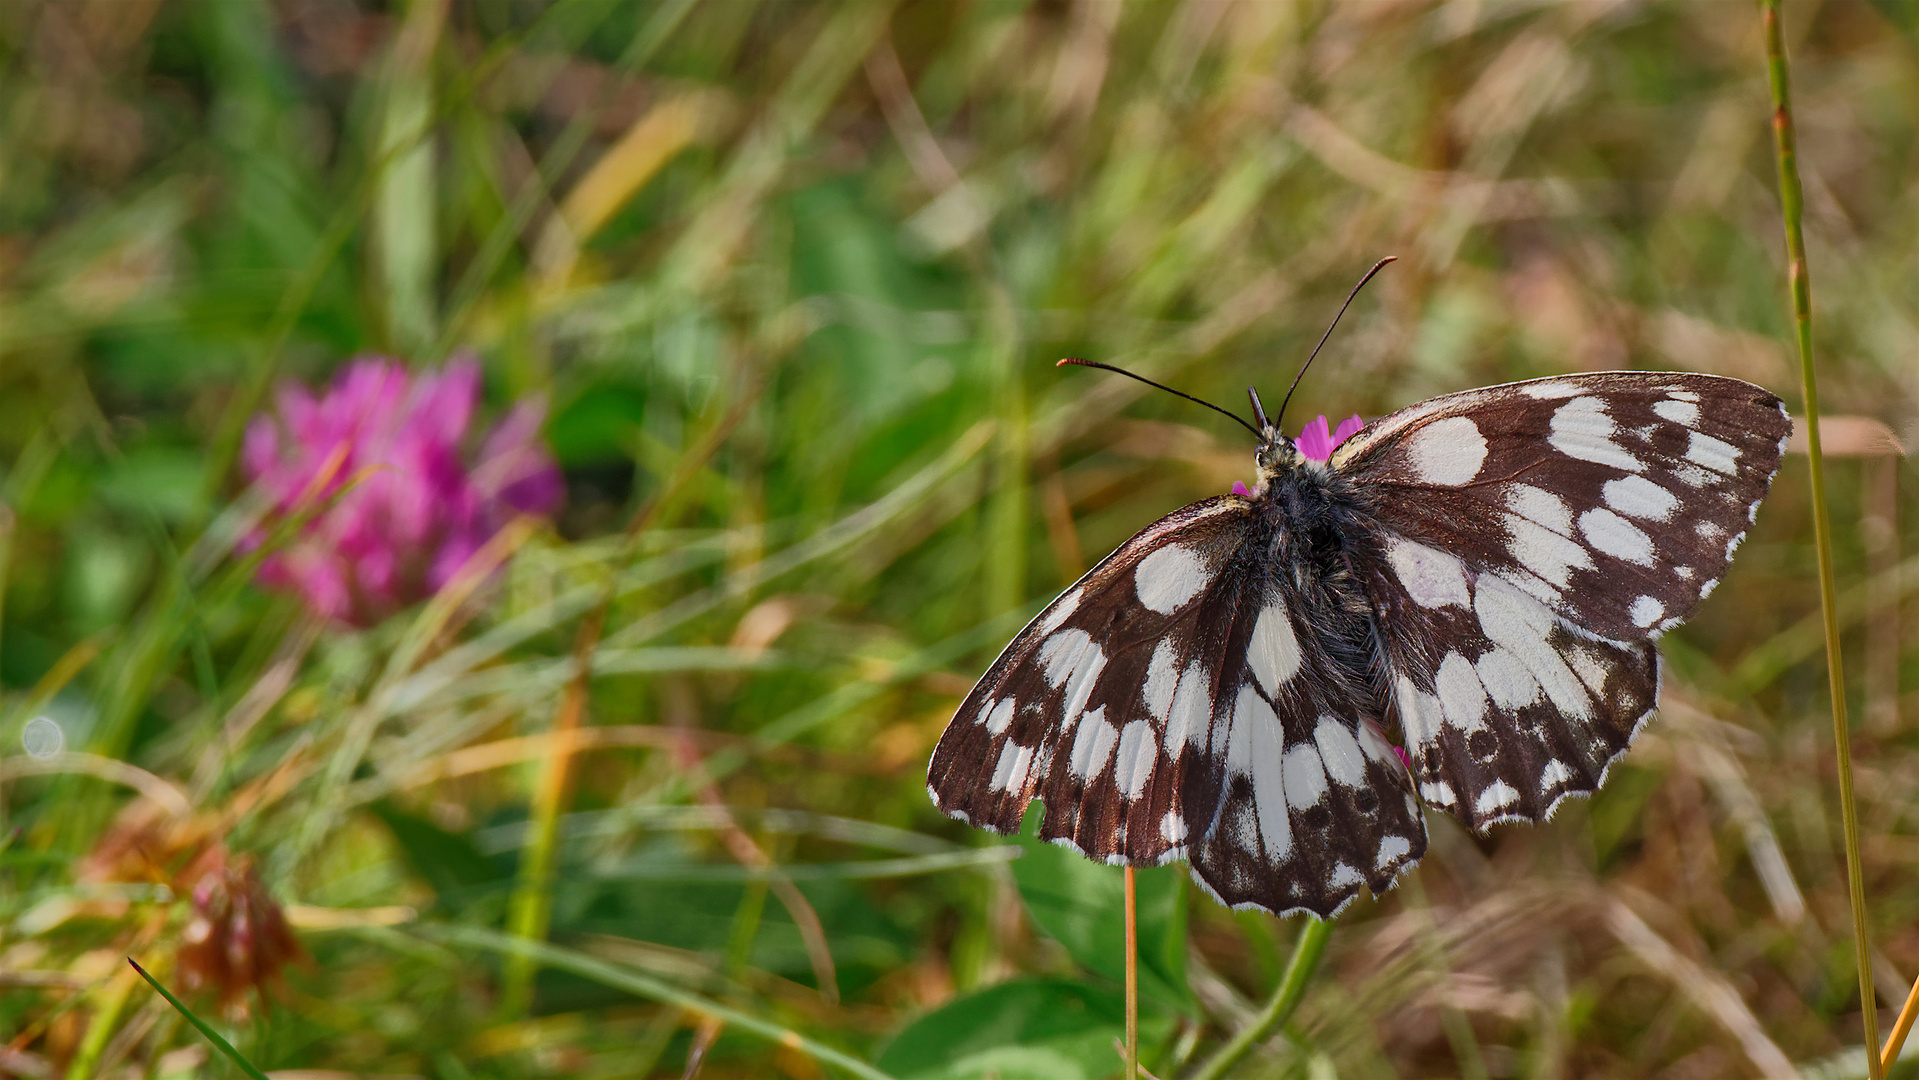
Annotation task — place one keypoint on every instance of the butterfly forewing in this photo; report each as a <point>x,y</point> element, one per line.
<point>1615,498</point>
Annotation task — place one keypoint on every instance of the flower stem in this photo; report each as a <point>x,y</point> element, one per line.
<point>1792,207</point>
<point>1279,1008</point>
<point>1132,978</point>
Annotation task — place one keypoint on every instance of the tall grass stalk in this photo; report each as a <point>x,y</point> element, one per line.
<point>1792,207</point>
<point>1278,1008</point>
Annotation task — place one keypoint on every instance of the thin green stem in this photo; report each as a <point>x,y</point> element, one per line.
<point>1792,207</point>
<point>1279,1008</point>
<point>1132,977</point>
<point>213,1036</point>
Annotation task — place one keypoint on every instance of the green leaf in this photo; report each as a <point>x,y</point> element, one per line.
<point>1082,905</point>
<point>1027,1029</point>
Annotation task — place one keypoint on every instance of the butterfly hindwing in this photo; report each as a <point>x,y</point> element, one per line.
<point>1175,704</point>
<point>1615,498</point>
<point>1506,708</point>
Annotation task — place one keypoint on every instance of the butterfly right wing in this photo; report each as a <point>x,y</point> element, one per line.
<point>1174,705</point>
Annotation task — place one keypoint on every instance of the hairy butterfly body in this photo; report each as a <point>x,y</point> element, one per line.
<point>1483,573</point>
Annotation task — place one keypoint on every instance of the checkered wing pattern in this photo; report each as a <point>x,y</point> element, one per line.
<point>1174,704</point>
<point>1532,540</point>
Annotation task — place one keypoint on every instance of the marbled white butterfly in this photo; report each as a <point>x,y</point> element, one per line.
<point>1483,573</point>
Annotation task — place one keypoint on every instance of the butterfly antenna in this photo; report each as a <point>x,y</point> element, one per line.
<point>1122,371</point>
<point>1377,267</point>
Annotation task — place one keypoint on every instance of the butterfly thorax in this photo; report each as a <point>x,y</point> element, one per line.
<point>1315,522</point>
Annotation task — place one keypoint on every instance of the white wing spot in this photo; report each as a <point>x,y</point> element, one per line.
<point>1343,877</point>
<point>1679,412</point>
<point>1582,429</point>
<point>1682,395</point>
<point>1001,717</point>
<point>1713,453</point>
<point>1639,497</point>
<point>1685,572</point>
<point>1014,763</point>
<point>1168,578</point>
<point>1506,680</point>
<point>1093,748</point>
<point>1549,390</point>
<point>1419,713</point>
<point>1273,653</point>
<point>1546,554</point>
<point>1391,850</point>
<point>1433,578</point>
<point>1520,624</point>
<point>1134,764</point>
<point>1063,654</point>
<point>1541,506</point>
<point>1268,743</point>
<point>1339,751</point>
<point>1591,668</point>
<point>1692,475</point>
<point>1615,536</point>
<point>1239,740</point>
<point>1646,610</point>
<point>1497,796</point>
<point>1061,610</point>
<point>1189,721</point>
<point>1172,827</point>
<point>1438,793</point>
<point>1162,679</point>
<point>1448,451</point>
<point>1305,776</point>
<point>1706,589</point>
<point>1460,693</point>
<point>1554,774</point>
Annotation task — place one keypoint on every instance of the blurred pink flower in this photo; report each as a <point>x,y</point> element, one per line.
<point>412,520</point>
<point>1315,443</point>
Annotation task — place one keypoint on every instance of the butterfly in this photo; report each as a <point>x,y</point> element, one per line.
<point>1483,573</point>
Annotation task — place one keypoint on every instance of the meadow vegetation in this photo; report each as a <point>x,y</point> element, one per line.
<point>640,790</point>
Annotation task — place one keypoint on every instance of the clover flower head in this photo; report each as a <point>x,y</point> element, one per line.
<point>421,500</point>
<point>237,938</point>
<point>1315,442</point>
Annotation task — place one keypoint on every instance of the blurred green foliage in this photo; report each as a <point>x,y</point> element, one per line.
<point>878,226</point>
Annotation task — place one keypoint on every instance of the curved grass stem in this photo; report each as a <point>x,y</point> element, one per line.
<point>1792,208</point>
<point>1278,1008</point>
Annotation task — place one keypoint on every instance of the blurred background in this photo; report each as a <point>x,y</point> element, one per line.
<point>773,292</point>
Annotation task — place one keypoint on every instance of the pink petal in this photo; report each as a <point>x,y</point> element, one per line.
<point>1348,428</point>
<point>1404,758</point>
<point>1314,441</point>
<point>1240,489</point>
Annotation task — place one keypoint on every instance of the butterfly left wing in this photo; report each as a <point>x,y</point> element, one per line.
<point>1531,540</point>
<point>1175,703</point>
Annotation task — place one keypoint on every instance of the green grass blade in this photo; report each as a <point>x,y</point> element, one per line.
<point>1792,207</point>
<point>213,1036</point>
